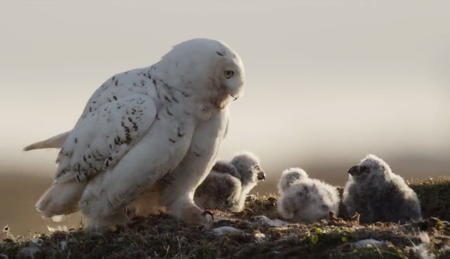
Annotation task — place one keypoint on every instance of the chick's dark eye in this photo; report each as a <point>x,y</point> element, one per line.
<point>365,169</point>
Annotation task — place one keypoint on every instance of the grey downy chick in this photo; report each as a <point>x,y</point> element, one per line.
<point>378,194</point>
<point>289,177</point>
<point>221,189</point>
<point>305,199</point>
<point>249,167</point>
<point>227,185</point>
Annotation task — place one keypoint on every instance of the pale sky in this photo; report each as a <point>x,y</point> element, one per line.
<point>333,79</point>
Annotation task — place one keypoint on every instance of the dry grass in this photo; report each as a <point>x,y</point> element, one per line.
<point>163,236</point>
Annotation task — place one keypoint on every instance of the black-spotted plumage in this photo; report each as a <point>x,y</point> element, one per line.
<point>139,126</point>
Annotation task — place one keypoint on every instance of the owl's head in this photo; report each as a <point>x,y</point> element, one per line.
<point>371,169</point>
<point>289,177</point>
<point>248,166</point>
<point>206,68</point>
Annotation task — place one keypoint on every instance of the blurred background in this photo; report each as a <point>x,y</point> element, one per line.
<point>327,82</point>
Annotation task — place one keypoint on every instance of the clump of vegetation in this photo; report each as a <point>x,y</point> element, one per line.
<point>247,234</point>
<point>434,196</point>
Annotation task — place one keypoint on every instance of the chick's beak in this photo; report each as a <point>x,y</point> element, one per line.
<point>354,170</point>
<point>261,176</point>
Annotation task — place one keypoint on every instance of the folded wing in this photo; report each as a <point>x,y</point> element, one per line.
<point>102,137</point>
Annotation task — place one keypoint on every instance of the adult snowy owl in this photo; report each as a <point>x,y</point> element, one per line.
<point>165,121</point>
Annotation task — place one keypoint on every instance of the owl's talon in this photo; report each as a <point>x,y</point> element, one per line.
<point>131,213</point>
<point>209,213</point>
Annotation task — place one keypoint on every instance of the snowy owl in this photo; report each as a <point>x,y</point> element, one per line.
<point>305,199</point>
<point>154,129</point>
<point>378,194</point>
<point>228,184</point>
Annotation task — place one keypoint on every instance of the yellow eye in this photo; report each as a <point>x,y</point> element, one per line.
<point>228,74</point>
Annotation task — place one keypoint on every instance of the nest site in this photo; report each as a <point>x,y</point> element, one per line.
<point>257,231</point>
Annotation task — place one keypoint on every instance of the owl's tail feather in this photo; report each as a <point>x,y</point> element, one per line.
<point>61,198</point>
<point>53,142</point>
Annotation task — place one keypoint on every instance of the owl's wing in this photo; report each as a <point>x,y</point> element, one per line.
<point>116,87</point>
<point>103,136</point>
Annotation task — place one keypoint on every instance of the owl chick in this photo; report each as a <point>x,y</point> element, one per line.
<point>289,177</point>
<point>378,194</point>
<point>228,184</point>
<point>304,199</point>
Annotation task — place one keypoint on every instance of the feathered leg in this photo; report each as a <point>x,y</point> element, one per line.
<point>148,202</point>
<point>178,194</point>
<point>107,195</point>
<point>61,198</point>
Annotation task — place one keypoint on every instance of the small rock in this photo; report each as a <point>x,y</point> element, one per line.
<point>369,242</point>
<point>63,245</point>
<point>226,230</point>
<point>260,237</point>
<point>37,241</point>
<point>270,222</point>
<point>30,252</point>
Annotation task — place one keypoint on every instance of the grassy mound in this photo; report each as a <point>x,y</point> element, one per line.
<point>247,235</point>
<point>434,196</point>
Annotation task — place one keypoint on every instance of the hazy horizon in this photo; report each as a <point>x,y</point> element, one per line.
<point>370,77</point>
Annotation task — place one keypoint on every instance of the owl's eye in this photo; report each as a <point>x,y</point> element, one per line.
<point>365,169</point>
<point>228,74</point>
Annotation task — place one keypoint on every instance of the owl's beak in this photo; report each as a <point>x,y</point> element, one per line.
<point>354,170</point>
<point>261,176</point>
<point>236,92</point>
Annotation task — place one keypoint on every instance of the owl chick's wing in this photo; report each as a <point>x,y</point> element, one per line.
<point>218,191</point>
<point>226,168</point>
